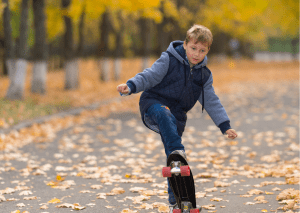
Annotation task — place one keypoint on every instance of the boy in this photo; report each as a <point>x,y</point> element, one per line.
<point>172,87</point>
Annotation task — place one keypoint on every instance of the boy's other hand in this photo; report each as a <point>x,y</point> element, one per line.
<point>231,133</point>
<point>123,88</point>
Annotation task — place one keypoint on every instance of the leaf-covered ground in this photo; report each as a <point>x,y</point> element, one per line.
<point>91,90</point>
<point>105,160</point>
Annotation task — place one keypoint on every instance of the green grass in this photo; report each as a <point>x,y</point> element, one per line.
<point>16,111</point>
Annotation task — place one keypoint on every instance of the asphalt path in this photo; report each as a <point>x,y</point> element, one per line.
<point>114,164</point>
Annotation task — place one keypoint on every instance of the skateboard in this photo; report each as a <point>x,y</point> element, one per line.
<point>182,183</point>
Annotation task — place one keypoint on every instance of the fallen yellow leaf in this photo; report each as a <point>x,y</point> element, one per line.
<point>54,200</point>
<point>128,175</point>
<point>79,174</point>
<point>269,193</point>
<point>51,183</point>
<point>59,178</point>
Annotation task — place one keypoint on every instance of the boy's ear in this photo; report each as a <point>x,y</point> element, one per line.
<point>184,45</point>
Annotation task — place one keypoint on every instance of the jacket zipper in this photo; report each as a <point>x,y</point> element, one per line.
<point>191,74</point>
<point>185,82</point>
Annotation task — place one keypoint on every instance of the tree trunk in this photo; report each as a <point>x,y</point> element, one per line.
<point>145,28</point>
<point>105,69</point>
<point>117,68</point>
<point>11,67</point>
<point>221,44</point>
<point>178,33</point>
<point>17,84</point>
<point>295,44</point>
<point>8,41</point>
<point>163,35</point>
<point>72,74</point>
<point>39,75</point>
<point>71,63</point>
<point>105,28</point>
<point>80,49</point>
<point>119,49</point>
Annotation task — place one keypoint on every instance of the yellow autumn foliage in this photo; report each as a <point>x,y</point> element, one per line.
<point>54,23</point>
<point>281,18</point>
<point>185,17</point>
<point>143,4</point>
<point>14,4</point>
<point>170,10</point>
<point>255,20</point>
<point>95,8</point>
<point>2,7</point>
<point>152,13</point>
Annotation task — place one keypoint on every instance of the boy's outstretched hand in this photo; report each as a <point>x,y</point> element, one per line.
<point>231,133</point>
<point>123,88</point>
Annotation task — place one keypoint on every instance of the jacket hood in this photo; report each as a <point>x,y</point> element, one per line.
<point>176,49</point>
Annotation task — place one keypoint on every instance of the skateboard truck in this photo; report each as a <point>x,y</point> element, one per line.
<point>175,165</point>
<point>177,168</point>
<point>186,207</point>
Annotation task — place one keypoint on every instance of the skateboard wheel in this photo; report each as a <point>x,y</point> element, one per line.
<point>176,210</point>
<point>185,171</point>
<point>195,211</point>
<point>166,172</point>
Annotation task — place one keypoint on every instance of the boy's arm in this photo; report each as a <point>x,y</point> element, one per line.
<point>213,106</point>
<point>150,77</point>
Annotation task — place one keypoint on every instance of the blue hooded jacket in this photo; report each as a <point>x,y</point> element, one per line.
<point>172,82</point>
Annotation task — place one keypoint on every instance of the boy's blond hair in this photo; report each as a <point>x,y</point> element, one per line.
<point>200,34</point>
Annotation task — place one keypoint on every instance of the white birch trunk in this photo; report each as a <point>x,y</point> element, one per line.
<point>146,63</point>
<point>11,67</point>
<point>72,74</point>
<point>39,77</point>
<point>105,68</point>
<point>17,84</point>
<point>117,68</point>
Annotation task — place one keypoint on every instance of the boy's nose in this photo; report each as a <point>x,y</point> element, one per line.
<point>197,55</point>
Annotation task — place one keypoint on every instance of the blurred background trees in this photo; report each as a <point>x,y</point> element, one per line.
<point>18,73</point>
<point>40,48</point>
<point>55,34</point>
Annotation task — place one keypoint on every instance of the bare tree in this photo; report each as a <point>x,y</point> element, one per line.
<point>119,51</point>
<point>8,41</point>
<point>17,84</point>
<point>103,50</point>
<point>145,31</point>
<point>71,63</point>
<point>39,76</point>
<point>178,33</point>
<point>164,31</point>
<point>80,48</point>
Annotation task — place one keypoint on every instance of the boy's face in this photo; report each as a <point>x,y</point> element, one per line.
<point>195,51</point>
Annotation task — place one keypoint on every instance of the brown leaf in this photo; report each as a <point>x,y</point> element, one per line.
<point>221,184</point>
<point>216,199</point>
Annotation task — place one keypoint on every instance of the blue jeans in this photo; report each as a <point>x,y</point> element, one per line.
<point>166,123</point>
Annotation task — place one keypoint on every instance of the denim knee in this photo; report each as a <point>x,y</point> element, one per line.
<point>161,112</point>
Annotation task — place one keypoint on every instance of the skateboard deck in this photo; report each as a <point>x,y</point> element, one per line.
<point>182,184</point>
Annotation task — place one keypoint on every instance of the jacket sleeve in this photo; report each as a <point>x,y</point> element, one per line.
<point>150,77</point>
<point>212,104</point>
